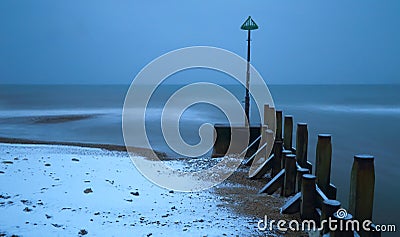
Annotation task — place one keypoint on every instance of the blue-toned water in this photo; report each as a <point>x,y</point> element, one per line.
<point>361,119</point>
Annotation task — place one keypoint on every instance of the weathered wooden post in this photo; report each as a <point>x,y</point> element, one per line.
<point>289,183</point>
<point>308,197</point>
<point>263,134</point>
<point>329,207</point>
<point>300,172</point>
<point>278,136</point>
<point>222,139</point>
<point>323,165</point>
<point>266,110</point>
<point>288,132</point>
<point>272,119</point>
<point>276,165</point>
<point>283,164</point>
<point>302,144</point>
<point>269,117</point>
<point>283,157</point>
<point>362,187</point>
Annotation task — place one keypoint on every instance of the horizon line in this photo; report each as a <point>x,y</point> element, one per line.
<point>128,84</point>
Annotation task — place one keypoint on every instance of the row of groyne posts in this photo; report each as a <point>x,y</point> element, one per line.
<point>312,194</point>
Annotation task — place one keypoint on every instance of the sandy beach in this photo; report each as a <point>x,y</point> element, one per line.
<point>60,190</point>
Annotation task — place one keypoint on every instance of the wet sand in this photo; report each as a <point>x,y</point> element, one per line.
<point>111,147</point>
<point>78,190</point>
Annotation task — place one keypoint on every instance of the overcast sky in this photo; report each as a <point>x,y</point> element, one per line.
<point>299,42</point>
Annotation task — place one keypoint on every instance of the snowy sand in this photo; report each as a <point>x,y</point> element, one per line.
<point>52,190</point>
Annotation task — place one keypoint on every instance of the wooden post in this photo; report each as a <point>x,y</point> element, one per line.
<point>362,186</point>
<point>278,125</point>
<point>266,111</point>
<point>269,117</point>
<point>276,164</point>
<point>283,164</point>
<point>289,183</point>
<point>300,172</point>
<point>288,132</point>
<point>323,162</point>
<point>302,144</point>
<point>283,157</point>
<point>222,138</point>
<point>329,207</point>
<point>263,135</point>
<point>308,197</point>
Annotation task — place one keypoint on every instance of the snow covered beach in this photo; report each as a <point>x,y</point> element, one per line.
<point>56,190</point>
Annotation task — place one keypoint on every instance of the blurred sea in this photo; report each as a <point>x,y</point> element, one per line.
<point>361,119</point>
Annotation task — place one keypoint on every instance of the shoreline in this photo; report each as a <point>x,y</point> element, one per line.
<point>110,147</point>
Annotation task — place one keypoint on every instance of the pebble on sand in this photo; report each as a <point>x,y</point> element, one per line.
<point>88,190</point>
<point>83,232</point>
<point>135,193</point>
<point>27,209</point>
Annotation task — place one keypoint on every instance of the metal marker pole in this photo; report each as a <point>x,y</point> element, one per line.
<point>248,25</point>
<point>247,97</point>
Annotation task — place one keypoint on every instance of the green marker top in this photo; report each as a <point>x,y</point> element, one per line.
<point>249,24</point>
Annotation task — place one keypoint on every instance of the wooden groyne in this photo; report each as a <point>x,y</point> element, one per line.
<point>308,186</point>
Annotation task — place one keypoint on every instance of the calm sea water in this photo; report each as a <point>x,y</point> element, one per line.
<point>361,119</point>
